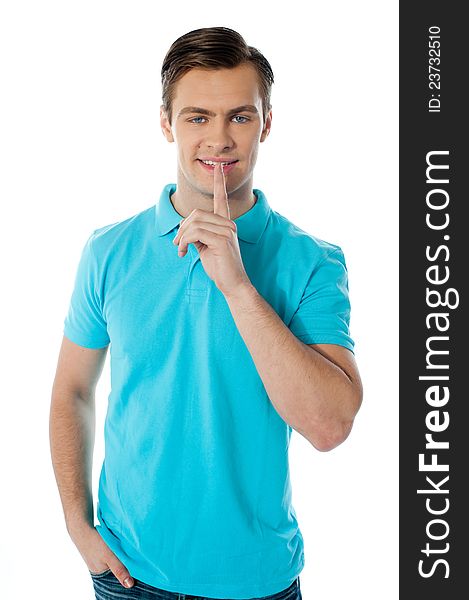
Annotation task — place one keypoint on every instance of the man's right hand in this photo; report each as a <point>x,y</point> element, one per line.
<point>98,556</point>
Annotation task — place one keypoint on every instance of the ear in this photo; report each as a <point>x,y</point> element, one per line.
<point>267,126</point>
<point>165,125</point>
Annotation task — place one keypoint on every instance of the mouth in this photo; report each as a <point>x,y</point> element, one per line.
<point>209,165</point>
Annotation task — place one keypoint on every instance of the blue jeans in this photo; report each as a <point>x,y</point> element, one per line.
<point>108,587</point>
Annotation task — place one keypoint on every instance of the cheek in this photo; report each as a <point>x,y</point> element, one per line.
<point>253,149</point>
<point>248,146</point>
<point>185,140</point>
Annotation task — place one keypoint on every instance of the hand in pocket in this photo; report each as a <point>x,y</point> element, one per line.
<point>99,557</point>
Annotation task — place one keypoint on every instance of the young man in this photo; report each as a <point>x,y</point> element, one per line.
<point>228,327</point>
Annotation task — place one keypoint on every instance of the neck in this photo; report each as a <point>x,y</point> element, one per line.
<point>186,198</point>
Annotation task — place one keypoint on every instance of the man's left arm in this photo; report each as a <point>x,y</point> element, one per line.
<point>315,388</point>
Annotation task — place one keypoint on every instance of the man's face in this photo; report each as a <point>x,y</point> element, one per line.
<point>221,129</point>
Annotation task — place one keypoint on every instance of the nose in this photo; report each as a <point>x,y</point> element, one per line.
<point>218,136</point>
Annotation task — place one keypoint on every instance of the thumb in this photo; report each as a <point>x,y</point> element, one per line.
<point>128,582</point>
<point>122,574</point>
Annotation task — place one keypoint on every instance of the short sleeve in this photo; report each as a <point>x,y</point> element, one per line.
<point>84,323</point>
<point>323,315</point>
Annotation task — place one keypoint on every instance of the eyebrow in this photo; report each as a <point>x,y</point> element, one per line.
<point>203,111</point>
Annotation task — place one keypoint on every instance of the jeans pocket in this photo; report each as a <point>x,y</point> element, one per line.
<point>102,574</point>
<point>290,593</point>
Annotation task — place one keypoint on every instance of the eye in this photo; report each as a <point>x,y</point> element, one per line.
<point>241,117</point>
<point>192,120</point>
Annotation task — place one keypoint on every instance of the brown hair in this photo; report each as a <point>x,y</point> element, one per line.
<point>212,48</point>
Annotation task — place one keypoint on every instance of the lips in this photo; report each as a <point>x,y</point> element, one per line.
<point>211,168</point>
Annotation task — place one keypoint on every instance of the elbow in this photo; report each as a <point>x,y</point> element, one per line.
<point>326,439</point>
<point>327,435</point>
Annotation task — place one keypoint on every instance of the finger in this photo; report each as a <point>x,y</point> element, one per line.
<point>207,237</point>
<point>199,226</point>
<point>220,197</point>
<point>122,574</point>
<point>202,217</point>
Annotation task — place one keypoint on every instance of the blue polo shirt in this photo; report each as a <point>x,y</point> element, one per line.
<point>194,491</point>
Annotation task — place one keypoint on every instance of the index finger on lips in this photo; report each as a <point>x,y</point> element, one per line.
<point>220,197</point>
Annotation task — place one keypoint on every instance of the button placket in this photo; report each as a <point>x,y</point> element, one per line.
<point>197,279</point>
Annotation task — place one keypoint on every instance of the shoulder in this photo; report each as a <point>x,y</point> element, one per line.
<point>300,245</point>
<point>107,238</point>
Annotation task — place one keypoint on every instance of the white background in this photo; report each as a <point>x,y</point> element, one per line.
<point>81,147</point>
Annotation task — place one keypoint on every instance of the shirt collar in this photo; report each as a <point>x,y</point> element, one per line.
<point>250,225</point>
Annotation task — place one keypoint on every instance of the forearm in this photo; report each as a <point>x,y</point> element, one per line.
<point>72,432</point>
<point>310,392</point>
